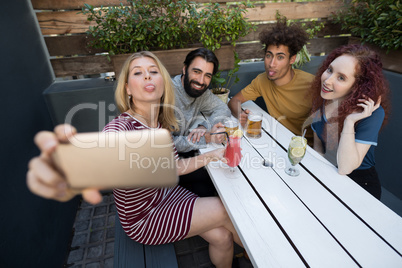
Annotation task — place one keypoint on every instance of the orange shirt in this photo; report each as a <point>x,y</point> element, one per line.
<point>289,104</point>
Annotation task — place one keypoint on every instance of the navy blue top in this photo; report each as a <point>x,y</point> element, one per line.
<point>366,130</point>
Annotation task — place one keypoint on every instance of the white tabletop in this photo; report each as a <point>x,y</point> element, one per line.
<point>317,219</point>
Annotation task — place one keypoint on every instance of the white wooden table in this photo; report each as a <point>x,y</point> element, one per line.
<point>318,219</point>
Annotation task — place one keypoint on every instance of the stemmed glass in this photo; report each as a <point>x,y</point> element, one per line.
<point>233,153</point>
<point>296,152</point>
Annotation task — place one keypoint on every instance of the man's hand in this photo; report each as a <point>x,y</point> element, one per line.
<point>196,134</point>
<point>219,138</point>
<point>243,117</point>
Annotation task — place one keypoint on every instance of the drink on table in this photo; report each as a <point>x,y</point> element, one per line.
<point>254,123</point>
<point>233,152</point>
<point>296,152</point>
<point>231,125</point>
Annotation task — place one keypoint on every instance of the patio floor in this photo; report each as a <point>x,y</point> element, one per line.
<point>92,242</point>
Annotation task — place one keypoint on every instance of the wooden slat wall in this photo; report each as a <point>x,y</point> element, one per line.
<point>60,18</point>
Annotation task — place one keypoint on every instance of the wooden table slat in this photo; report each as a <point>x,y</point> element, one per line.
<point>354,235</point>
<point>252,221</point>
<point>318,219</point>
<point>358,200</point>
<point>310,237</point>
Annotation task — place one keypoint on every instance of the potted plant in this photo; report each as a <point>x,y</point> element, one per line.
<point>220,86</point>
<point>160,25</point>
<point>377,24</point>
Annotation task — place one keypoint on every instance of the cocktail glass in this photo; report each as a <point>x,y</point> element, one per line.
<point>296,152</point>
<point>233,154</point>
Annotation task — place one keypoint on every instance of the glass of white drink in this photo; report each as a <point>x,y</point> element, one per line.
<point>296,152</point>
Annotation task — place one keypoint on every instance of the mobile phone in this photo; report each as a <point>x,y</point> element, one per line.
<point>142,158</point>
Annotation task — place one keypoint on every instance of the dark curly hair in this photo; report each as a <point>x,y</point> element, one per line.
<point>370,82</point>
<point>292,36</point>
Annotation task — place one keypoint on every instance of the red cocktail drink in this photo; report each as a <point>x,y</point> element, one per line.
<point>233,153</point>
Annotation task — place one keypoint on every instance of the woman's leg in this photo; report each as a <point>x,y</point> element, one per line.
<point>220,246</point>
<point>368,179</point>
<point>211,221</point>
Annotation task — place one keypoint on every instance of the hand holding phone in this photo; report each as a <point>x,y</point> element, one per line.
<point>118,160</point>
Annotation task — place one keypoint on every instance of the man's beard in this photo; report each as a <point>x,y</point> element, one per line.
<point>192,92</point>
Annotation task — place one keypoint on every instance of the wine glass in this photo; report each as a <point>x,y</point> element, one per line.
<point>233,152</point>
<point>296,152</point>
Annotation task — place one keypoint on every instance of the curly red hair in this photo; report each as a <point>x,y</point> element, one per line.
<point>370,83</point>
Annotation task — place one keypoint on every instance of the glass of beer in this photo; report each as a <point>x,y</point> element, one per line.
<point>254,123</point>
<point>231,125</point>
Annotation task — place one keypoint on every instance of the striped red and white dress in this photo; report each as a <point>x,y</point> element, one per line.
<point>152,216</point>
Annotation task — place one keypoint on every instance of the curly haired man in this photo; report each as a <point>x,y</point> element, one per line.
<point>283,88</point>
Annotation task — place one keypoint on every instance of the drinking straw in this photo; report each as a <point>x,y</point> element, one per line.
<point>304,133</point>
<point>223,132</point>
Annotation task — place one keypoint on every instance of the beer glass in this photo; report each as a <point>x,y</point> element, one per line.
<point>231,125</point>
<point>254,123</point>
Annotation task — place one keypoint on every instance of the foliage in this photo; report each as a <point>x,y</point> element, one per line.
<point>303,56</point>
<point>215,20</point>
<point>218,24</point>
<point>377,22</point>
<point>165,24</point>
<point>219,83</point>
<point>140,26</point>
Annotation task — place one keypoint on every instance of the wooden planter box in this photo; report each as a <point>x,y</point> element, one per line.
<point>391,61</point>
<point>173,59</point>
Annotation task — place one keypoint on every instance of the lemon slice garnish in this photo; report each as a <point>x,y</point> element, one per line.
<point>297,152</point>
<point>238,133</point>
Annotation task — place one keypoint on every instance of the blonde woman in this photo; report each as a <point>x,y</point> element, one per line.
<point>145,97</point>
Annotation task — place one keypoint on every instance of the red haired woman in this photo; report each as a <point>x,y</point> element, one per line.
<point>350,105</point>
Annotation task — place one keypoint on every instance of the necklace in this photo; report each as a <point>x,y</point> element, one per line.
<point>140,115</point>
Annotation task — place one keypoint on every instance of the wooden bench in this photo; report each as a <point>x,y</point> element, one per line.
<point>128,253</point>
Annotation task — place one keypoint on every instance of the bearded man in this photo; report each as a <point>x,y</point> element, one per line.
<point>192,98</point>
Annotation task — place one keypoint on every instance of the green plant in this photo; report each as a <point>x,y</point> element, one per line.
<point>377,22</point>
<point>142,25</point>
<point>219,84</point>
<point>165,24</point>
<point>218,24</point>
<point>303,56</point>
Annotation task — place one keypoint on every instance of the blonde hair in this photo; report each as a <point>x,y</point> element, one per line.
<point>166,115</point>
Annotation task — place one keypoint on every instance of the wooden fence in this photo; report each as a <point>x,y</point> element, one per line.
<point>64,31</point>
